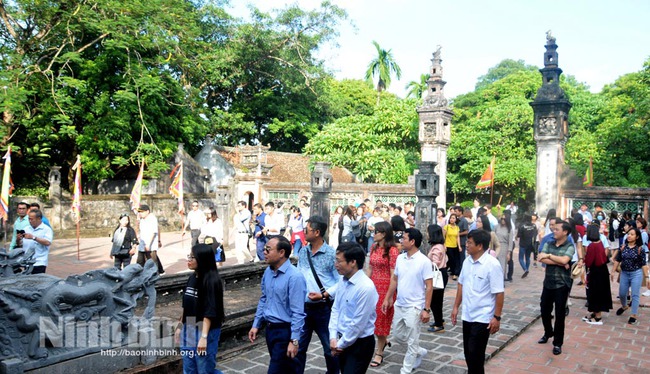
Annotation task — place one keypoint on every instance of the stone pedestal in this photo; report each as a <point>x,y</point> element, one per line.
<point>426,190</point>
<point>321,187</point>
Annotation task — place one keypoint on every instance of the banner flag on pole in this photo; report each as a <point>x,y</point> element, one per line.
<point>176,188</point>
<point>7,186</point>
<point>588,180</point>
<point>487,180</point>
<point>76,199</point>
<point>136,193</point>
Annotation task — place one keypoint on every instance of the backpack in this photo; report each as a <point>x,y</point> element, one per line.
<point>356,229</point>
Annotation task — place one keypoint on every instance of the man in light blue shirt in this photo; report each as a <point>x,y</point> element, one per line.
<point>281,307</point>
<point>318,303</point>
<point>352,323</point>
<point>38,237</point>
<point>22,222</point>
<point>480,290</point>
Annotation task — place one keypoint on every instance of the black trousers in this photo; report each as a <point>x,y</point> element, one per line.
<point>356,358</point>
<point>475,339</point>
<point>437,299</point>
<point>554,298</point>
<point>452,261</point>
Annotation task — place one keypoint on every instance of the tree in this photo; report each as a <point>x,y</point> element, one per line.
<point>118,82</point>
<point>381,147</point>
<point>417,89</point>
<point>383,67</point>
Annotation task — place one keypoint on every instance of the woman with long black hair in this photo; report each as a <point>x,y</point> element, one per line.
<point>203,313</point>
<point>124,243</point>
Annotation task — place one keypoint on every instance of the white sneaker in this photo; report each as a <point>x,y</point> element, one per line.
<point>594,321</point>
<point>647,293</point>
<point>418,358</point>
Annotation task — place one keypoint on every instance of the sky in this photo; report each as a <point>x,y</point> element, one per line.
<point>598,40</point>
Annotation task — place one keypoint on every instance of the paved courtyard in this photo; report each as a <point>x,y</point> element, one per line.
<point>614,347</point>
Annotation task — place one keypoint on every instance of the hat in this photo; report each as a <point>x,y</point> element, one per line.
<point>143,208</point>
<point>577,270</point>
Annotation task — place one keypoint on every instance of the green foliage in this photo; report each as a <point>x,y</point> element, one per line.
<point>42,193</point>
<point>381,147</point>
<point>119,81</point>
<point>617,137</point>
<point>495,120</point>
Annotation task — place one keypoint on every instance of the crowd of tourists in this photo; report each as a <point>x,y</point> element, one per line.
<point>361,283</point>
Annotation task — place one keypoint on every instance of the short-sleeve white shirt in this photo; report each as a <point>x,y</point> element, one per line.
<point>482,280</point>
<point>411,273</point>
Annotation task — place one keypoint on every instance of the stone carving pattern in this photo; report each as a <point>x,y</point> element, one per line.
<point>547,126</point>
<point>110,294</point>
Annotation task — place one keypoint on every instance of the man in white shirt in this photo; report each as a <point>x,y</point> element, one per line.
<point>274,220</point>
<point>195,220</point>
<point>413,280</point>
<point>480,290</point>
<point>148,248</point>
<point>352,322</point>
<point>241,222</point>
<point>38,237</point>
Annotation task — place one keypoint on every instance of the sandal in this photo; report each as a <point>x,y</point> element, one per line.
<point>375,363</point>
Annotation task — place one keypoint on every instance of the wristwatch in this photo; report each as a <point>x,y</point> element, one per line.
<point>204,336</point>
<point>498,318</point>
<point>428,310</point>
<point>295,342</point>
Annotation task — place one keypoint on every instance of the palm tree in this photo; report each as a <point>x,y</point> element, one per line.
<point>417,89</point>
<point>383,66</point>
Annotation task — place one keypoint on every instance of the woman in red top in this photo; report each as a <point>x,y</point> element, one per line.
<point>599,293</point>
<point>383,256</point>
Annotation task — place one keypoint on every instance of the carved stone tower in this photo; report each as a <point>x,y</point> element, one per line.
<point>551,109</point>
<point>435,125</point>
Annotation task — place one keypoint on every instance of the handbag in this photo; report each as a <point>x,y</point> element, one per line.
<point>438,282</point>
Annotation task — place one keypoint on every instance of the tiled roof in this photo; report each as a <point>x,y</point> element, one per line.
<point>294,167</point>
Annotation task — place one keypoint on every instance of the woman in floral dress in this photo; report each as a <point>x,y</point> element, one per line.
<point>383,256</point>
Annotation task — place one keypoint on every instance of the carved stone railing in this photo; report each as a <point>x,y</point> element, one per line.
<point>45,319</point>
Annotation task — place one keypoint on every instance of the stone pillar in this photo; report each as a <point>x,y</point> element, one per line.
<point>435,125</point>
<point>551,109</point>
<point>223,209</point>
<point>426,189</point>
<point>321,187</point>
<point>55,194</point>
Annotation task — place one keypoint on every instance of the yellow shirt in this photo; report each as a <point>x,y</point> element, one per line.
<point>451,239</point>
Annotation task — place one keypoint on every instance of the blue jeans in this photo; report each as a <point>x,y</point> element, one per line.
<point>631,279</point>
<point>524,257</point>
<point>260,243</point>
<point>297,245</point>
<point>193,363</point>
<point>317,320</point>
<point>371,241</point>
<point>278,338</point>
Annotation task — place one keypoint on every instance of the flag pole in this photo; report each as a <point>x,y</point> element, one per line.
<point>492,182</point>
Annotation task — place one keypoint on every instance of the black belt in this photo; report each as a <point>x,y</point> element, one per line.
<point>278,325</point>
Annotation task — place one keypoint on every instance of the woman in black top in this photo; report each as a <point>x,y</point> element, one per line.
<point>124,242</point>
<point>203,313</point>
<point>633,269</point>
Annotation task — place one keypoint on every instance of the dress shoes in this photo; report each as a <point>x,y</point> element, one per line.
<point>544,339</point>
<point>557,350</point>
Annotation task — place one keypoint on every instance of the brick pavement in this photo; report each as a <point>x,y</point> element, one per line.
<point>611,348</point>
<point>514,349</point>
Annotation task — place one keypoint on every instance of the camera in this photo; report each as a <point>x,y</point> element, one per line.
<point>20,232</point>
